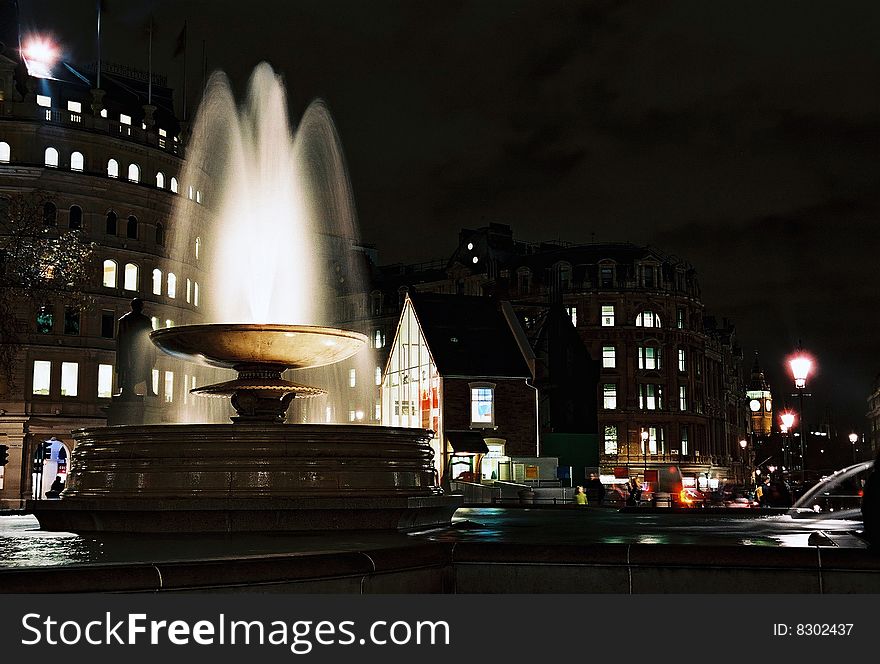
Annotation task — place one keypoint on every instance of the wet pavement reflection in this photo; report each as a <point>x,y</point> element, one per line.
<point>23,544</point>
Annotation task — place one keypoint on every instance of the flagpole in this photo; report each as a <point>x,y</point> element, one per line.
<point>150,67</point>
<point>98,83</point>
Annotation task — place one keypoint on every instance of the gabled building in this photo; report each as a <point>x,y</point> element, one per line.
<point>460,366</point>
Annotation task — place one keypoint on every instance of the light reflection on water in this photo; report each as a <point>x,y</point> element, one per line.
<point>22,544</point>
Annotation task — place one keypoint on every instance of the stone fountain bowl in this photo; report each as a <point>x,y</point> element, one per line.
<point>227,345</point>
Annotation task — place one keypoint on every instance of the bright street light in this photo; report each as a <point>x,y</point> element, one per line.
<point>40,54</point>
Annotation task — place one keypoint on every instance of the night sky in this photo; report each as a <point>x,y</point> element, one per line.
<point>742,136</point>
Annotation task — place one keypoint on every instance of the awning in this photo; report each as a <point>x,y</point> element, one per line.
<point>467,442</point>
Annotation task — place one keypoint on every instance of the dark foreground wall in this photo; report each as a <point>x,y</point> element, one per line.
<point>485,568</point>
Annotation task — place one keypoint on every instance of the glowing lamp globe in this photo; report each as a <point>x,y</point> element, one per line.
<point>801,365</point>
<point>853,437</point>
<point>787,419</point>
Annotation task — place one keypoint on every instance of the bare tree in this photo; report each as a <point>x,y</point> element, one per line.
<point>38,264</point>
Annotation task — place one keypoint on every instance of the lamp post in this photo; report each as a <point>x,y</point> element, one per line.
<point>743,457</point>
<point>644,436</point>
<point>787,419</point>
<point>853,438</point>
<point>801,365</point>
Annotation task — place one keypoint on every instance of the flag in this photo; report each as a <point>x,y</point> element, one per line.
<point>180,44</point>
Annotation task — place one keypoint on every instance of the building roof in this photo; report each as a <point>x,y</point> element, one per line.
<point>469,336</point>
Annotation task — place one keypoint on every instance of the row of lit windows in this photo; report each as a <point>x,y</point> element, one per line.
<point>650,397</point>
<point>42,379</point>
<point>561,276</point>
<point>655,440</point>
<point>52,159</point>
<point>75,110</point>
<point>45,321</point>
<point>131,281</point>
<point>648,356</point>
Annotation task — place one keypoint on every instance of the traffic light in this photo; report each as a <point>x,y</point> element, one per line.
<point>4,455</point>
<point>46,446</point>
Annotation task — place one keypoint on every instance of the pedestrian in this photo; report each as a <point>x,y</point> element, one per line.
<point>596,492</point>
<point>580,498</point>
<point>635,493</point>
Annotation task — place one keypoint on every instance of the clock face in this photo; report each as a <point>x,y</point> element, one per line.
<point>755,405</point>
<point>768,405</point>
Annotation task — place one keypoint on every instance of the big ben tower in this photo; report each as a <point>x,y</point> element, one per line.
<point>760,402</point>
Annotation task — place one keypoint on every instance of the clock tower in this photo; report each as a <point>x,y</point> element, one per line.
<point>760,402</point>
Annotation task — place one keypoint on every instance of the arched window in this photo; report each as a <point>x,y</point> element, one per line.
<point>131,228</point>
<point>110,273</point>
<point>50,214</point>
<point>110,228</point>
<point>77,161</point>
<point>51,157</point>
<point>160,235</point>
<point>198,196</point>
<point>174,184</point>
<point>190,192</point>
<point>113,168</point>
<point>196,293</point>
<point>130,278</point>
<point>75,218</point>
<point>172,285</point>
<point>647,319</point>
<point>5,152</point>
<point>160,180</point>
<point>157,281</point>
<point>198,247</point>
<point>134,173</point>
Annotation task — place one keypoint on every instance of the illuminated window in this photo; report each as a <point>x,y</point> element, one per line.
<point>647,319</point>
<point>378,375</point>
<point>69,379</point>
<point>679,318</point>
<point>124,119</point>
<point>572,313</point>
<point>74,217</point>
<point>188,290</point>
<point>174,184</point>
<point>198,247</point>
<point>682,360</point>
<point>198,196</point>
<point>74,106</point>
<point>655,440</point>
<point>44,101</point>
<point>5,152</point>
<point>169,386</point>
<point>609,359</point>
<point>154,322</point>
<point>607,315</point>
<point>130,277</point>
<point>482,405</point>
<point>154,376</point>
<point>50,157</point>
<point>42,377</point>
<point>110,273</point>
<point>611,439</point>
<point>379,339</point>
<point>683,434</point>
<point>110,227</point>
<point>609,396</point>
<point>352,377</point>
<point>160,235</point>
<point>377,415</point>
<point>189,192</point>
<point>131,228</point>
<point>157,281</point>
<point>71,320</point>
<point>45,321</point>
<point>134,173</point>
<point>113,168</point>
<point>682,397</point>
<point>169,322</point>
<point>649,397</point>
<point>196,293</point>
<point>77,161</point>
<point>105,381</point>
<point>160,180</point>
<point>649,358</point>
<point>172,285</point>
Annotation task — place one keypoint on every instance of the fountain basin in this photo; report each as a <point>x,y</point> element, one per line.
<point>248,478</point>
<point>228,345</point>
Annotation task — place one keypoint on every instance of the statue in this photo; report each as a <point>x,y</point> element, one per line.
<point>135,353</point>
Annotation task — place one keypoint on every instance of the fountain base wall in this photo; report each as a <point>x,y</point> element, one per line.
<point>249,478</point>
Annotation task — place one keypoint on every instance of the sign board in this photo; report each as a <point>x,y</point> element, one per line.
<point>531,472</point>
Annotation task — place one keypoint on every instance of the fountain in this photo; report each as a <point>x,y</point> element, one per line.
<point>257,473</point>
